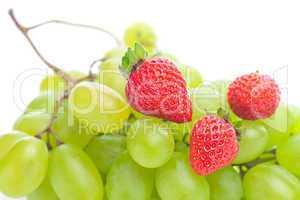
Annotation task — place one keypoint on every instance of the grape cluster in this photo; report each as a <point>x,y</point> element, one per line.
<point>81,140</point>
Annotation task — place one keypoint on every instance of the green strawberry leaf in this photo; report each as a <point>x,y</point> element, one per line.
<point>132,57</point>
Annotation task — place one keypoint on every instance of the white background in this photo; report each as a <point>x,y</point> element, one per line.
<point>223,39</point>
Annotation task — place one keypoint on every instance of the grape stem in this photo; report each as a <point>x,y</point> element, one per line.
<point>118,42</point>
<point>48,130</point>
<point>69,80</point>
<point>273,151</point>
<point>25,31</point>
<point>92,66</point>
<point>256,162</point>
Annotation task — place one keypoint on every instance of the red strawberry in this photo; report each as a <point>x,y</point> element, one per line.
<point>254,96</point>
<point>156,87</point>
<point>213,145</point>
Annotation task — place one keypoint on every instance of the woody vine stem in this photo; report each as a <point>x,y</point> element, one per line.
<point>71,82</point>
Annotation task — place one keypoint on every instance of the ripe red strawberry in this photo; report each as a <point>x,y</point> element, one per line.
<point>156,87</point>
<point>254,96</point>
<point>213,145</point>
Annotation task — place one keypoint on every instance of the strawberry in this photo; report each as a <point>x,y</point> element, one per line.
<point>254,96</point>
<point>156,87</point>
<point>213,145</point>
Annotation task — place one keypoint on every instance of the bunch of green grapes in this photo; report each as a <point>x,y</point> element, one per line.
<point>79,139</point>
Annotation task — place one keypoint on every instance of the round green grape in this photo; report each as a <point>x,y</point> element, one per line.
<point>113,79</point>
<point>141,33</point>
<point>115,53</point>
<point>45,102</point>
<point>192,77</point>
<point>110,64</point>
<point>150,143</point>
<point>222,87</point>
<point>127,180</point>
<point>266,181</point>
<point>73,175</point>
<point>225,184</point>
<point>33,123</point>
<point>104,110</point>
<point>23,166</point>
<point>176,180</point>
<point>253,141</point>
<point>294,119</point>
<point>68,128</point>
<point>44,192</point>
<point>103,150</point>
<point>288,154</point>
<point>205,99</point>
<point>8,141</point>
<point>277,126</point>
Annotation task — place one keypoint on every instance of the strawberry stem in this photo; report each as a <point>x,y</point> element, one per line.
<point>133,58</point>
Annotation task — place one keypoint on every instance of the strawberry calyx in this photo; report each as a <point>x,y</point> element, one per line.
<point>133,58</point>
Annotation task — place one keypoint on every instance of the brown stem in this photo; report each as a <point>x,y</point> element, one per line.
<point>92,65</point>
<point>256,162</point>
<point>25,30</point>
<point>58,103</point>
<point>118,42</point>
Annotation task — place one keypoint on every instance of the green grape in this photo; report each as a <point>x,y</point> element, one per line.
<point>205,99</point>
<point>176,181</point>
<point>150,143</point>
<point>52,83</point>
<point>23,165</point>
<point>270,182</point>
<point>101,107</point>
<point>127,180</point>
<point>178,130</point>
<point>288,155</point>
<point>56,84</point>
<point>73,175</point>
<point>115,53</point>
<point>277,126</point>
<point>69,130</point>
<point>192,77</point>
<point>33,123</point>
<point>222,87</point>
<point>8,141</point>
<point>103,150</point>
<point>110,64</point>
<point>141,33</point>
<point>225,184</point>
<point>44,192</point>
<point>113,79</point>
<point>45,102</point>
<point>253,141</point>
<point>294,119</point>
